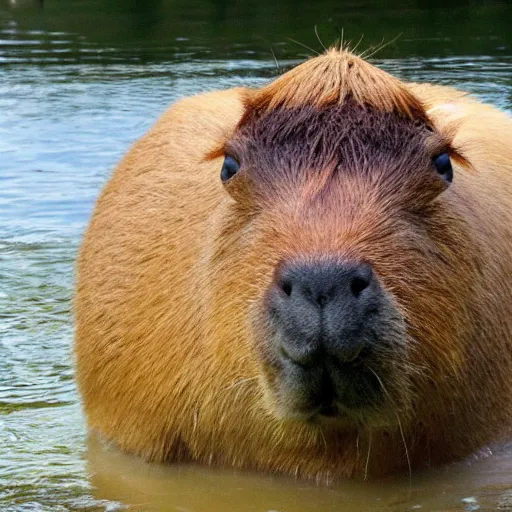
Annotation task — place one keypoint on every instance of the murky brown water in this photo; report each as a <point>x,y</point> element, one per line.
<point>484,484</point>
<point>79,82</point>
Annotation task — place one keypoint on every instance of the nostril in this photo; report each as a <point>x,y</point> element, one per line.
<point>358,285</point>
<point>286,286</point>
<point>321,282</point>
<point>321,300</point>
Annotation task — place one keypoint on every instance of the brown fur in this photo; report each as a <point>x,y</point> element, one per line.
<point>335,160</point>
<point>334,78</point>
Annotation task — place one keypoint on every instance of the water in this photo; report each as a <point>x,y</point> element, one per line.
<point>79,82</point>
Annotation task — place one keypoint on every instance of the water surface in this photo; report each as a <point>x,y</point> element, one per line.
<point>79,82</point>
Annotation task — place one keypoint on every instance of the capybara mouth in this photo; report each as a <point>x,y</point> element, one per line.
<point>334,390</point>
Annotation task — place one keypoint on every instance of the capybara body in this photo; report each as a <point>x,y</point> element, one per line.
<point>310,278</point>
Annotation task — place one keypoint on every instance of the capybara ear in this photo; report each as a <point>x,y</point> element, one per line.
<point>447,119</point>
<point>449,111</point>
<point>221,145</point>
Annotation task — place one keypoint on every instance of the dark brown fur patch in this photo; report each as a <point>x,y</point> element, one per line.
<point>292,143</point>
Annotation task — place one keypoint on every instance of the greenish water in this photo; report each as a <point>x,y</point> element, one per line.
<point>79,82</point>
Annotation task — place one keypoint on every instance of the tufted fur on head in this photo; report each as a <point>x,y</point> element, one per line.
<point>332,79</point>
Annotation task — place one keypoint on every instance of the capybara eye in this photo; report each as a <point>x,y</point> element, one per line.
<point>444,166</point>
<point>229,168</point>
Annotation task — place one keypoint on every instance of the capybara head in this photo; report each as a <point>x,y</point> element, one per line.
<point>342,246</point>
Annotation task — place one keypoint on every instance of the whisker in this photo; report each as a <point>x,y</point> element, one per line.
<point>275,60</point>
<point>321,430</point>
<point>363,54</point>
<point>383,46</point>
<point>380,383</point>
<point>271,51</point>
<point>337,42</point>
<point>303,45</point>
<point>318,37</point>
<point>368,455</point>
<point>352,50</point>
<point>406,451</point>
<point>399,426</point>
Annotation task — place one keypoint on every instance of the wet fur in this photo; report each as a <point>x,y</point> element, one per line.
<point>173,271</point>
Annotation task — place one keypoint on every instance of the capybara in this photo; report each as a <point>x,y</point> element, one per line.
<point>313,278</point>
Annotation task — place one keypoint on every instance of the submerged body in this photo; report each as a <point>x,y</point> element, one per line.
<point>335,303</point>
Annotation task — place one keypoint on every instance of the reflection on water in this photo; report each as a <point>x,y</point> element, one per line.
<point>158,30</point>
<point>79,81</point>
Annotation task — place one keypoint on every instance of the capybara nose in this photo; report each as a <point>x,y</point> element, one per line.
<point>323,308</point>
